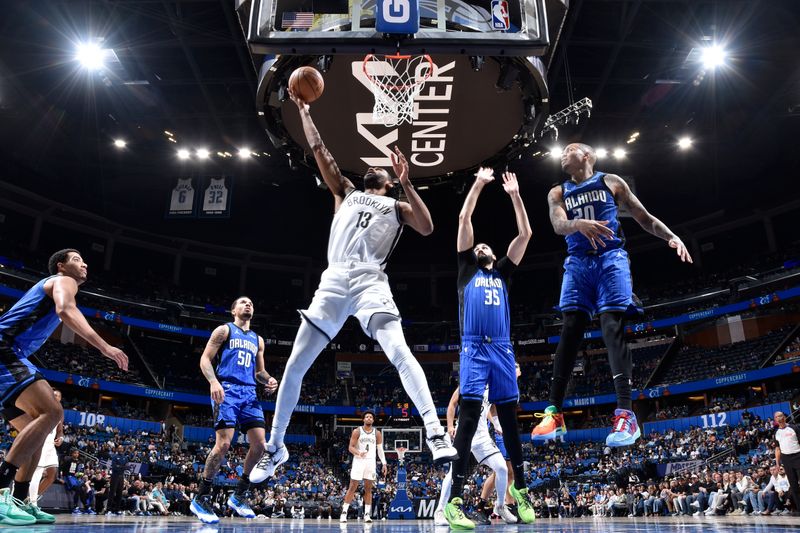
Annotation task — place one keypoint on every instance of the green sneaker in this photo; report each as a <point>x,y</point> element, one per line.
<point>10,513</point>
<point>454,513</point>
<point>524,508</point>
<point>32,509</point>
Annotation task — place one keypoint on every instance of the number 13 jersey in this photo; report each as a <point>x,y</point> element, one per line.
<point>365,229</point>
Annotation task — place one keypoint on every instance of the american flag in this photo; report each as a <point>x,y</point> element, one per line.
<point>293,20</point>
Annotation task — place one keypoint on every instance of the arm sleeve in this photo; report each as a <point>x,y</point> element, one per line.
<point>381,455</point>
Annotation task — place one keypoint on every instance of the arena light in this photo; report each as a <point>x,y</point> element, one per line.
<point>202,153</point>
<point>183,153</point>
<point>619,153</point>
<point>556,151</point>
<point>601,152</point>
<point>244,153</point>
<point>713,56</point>
<point>120,143</point>
<point>684,143</point>
<point>90,55</point>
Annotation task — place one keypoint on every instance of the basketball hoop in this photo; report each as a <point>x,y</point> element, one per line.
<point>395,81</point>
<point>401,453</point>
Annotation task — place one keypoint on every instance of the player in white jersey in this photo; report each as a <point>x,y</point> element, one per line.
<point>47,471</point>
<point>485,451</point>
<point>365,443</point>
<point>365,228</point>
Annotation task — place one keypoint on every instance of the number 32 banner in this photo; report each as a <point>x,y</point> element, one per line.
<point>216,199</point>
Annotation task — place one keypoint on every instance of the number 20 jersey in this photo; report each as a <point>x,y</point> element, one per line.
<point>237,361</point>
<point>365,229</point>
<point>593,200</point>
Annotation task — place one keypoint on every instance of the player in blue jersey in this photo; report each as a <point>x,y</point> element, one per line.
<point>487,356</point>
<point>26,399</point>
<point>234,401</point>
<point>597,280</point>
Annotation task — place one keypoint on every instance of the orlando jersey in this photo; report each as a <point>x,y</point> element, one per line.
<point>367,442</point>
<point>483,297</point>
<point>365,229</point>
<point>237,362</point>
<point>593,200</point>
<point>30,321</point>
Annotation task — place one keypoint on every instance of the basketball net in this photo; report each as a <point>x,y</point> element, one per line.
<point>395,81</point>
<point>401,454</point>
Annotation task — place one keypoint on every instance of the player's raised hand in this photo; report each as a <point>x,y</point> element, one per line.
<point>118,356</point>
<point>680,249</point>
<point>595,231</point>
<point>271,385</point>
<point>400,166</point>
<point>301,104</point>
<point>484,175</point>
<point>510,183</point>
<point>217,393</point>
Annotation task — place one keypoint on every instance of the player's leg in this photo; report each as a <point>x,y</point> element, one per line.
<point>356,475</point>
<point>386,329</point>
<point>367,500</point>
<point>48,476</point>
<point>500,473</point>
<point>509,500</point>
<point>444,497</point>
<point>30,471</point>
<point>488,487</point>
<point>251,421</point>
<point>225,421</point>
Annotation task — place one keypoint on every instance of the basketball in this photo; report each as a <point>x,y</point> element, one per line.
<point>307,83</point>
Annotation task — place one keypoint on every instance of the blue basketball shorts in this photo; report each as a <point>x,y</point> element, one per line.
<point>598,283</point>
<point>239,408</point>
<point>488,361</point>
<point>501,445</point>
<point>16,375</point>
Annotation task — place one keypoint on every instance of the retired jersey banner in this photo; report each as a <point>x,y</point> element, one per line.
<point>216,198</point>
<point>181,199</point>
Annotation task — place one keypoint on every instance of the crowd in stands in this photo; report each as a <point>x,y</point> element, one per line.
<point>85,361</point>
<point>791,352</point>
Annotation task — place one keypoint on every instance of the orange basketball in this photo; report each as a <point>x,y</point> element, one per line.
<point>307,83</point>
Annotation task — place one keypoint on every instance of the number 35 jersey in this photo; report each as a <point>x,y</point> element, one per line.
<point>592,200</point>
<point>365,229</point>
<point>237,362</point>
<point>483,298</point>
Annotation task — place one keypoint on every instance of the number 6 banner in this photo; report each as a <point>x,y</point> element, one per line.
<point>181,199</point>
<point>216,200</point>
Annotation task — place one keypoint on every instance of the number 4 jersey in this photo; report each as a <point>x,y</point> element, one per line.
<point>365,229</point>
<point>237,362</point>
<point>593,200</point>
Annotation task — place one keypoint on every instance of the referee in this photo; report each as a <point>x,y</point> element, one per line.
<point>787,453</point>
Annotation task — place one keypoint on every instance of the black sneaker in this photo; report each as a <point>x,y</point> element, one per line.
<point>479,517</point>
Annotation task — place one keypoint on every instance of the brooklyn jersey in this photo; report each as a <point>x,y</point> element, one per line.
<point>365,229</point>
<point>30,321</point>
<point>483,297</point>
<point>367,442</point>
<point>237,362</point>
<point>591,200</point>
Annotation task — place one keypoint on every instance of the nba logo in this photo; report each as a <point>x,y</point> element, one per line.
<point>500,19</point>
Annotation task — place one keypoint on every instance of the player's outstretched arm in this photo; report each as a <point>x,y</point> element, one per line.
<point>594,230</point>
<point>516,250</point>
<point>218,336</point>
<point>451,414</point>
<point>262,376</point>
<point>414,213</point>
<point>63,291</point>
<point>336,182</point>
<point>625,197</point>
<point>466,238</point>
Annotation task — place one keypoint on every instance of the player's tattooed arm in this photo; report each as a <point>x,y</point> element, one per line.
<point>625,197</point>
<point>594,230</point>
<point>262,376</point>
<point>218,337</point>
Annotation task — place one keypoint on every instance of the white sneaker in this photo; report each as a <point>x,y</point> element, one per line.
<point>442,450</point>
<point>439,519</point>
<point>343,518</point>
<point>696,513</point>
<point>505,513</point>
<point>367,518</point>
<point>266,466</point>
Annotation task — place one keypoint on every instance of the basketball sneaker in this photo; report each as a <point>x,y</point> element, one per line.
<point>367,519</point>
<point>343,518</point>
<point>32,509</point>
<point>504,512</point>
<point>271,460</point>
<point>439,519</point>
<point>10,512</point>
<point>478,516</point>
<point>241,506</point>
<point>454,513</point>
<point>203,509</point>
<point>625,430</point>
<point>441,449</point>
<point>551,426</point>
<point>524,507</point>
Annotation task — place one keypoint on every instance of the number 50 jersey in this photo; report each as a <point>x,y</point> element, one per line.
<point>237,362</point>
<point>364,230</point>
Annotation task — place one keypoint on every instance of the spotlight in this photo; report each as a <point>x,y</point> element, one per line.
<point>120,143</point>
<point>202,153</point>
<point>619,153</point>
<point>713,57</point>
<point>601,152</point>
<point>555,152</point>
<point>90,55</point>
<point>183,153</point>
<point>684,143</point>
<point>244,153</point>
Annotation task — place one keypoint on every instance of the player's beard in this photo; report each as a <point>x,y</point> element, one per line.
<point>246,316</point>
<point>484,260</point>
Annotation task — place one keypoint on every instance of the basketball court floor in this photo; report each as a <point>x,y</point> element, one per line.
<point>80,523</point>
